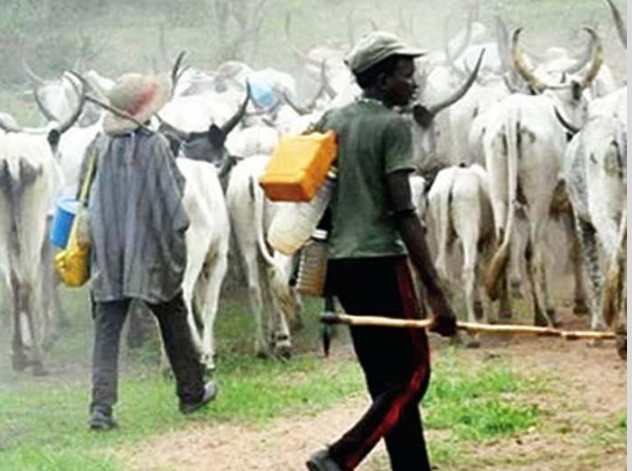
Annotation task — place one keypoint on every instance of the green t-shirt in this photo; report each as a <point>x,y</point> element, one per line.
<point>373,141</point>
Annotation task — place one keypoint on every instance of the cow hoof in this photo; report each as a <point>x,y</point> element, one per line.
<point>473,343</point>
<point>19,362</point>
<point>39,370</point>
<point>283,352</point>
<point>516,289</point>
<point>553,318</point>
<point>479,313</point>
<point>622,346</point>
<point>580,308</point>
<point>539,320</point>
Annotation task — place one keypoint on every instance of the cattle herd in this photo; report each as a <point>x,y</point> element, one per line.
<point>504,141</point>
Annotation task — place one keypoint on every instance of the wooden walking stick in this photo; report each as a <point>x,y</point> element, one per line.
<point>330,317</point>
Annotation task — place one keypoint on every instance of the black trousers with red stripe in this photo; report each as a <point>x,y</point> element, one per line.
<point>396,362</point>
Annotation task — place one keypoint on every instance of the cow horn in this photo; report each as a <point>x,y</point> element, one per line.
<point>325,85</point>
<point>300,55</point>
<point>619,23</point>
<point>32,75</point>
<point>456,96</point>
<point>175,71</point>
<point>466,40</point>
<point>234,120</point>
<point>81,93</point>
<point>299,109</point>
<point>502,39</point>
<point>45,111</point>
<point>597,58</point>
<point>521,67</point>
<point>571,128</point>
<point>166,127</point>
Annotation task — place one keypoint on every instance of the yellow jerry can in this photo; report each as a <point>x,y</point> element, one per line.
<point>299,166</point>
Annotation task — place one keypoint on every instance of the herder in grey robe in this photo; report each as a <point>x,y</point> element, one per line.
<point>137,231</point>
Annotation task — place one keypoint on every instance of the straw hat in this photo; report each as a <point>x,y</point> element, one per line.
<point>137,95</point>
<point>377,46</point>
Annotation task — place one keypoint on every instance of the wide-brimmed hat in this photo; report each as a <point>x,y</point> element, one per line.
<point>138,96</point>
<point>376,46</point>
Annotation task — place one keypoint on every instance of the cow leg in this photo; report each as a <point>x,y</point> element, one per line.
<point>587,238</point>
<point>32,305</point>
<point>19,359</point>
<point>256,302</point>
<point>580,302</point>
<point>282,304</point>
<point>469,241</point>
<point>209,292</point>
<point>518,247</point>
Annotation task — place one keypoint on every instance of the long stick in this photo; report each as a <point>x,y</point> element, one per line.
<point>377,321</point>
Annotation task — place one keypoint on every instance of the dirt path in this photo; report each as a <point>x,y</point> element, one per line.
<point>590,390</point>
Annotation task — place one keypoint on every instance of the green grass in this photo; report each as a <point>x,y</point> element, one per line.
<point>43,420</point>
<point>487,402</point>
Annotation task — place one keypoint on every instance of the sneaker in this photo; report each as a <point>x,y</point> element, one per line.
<point>322,461</point>
<point>101,420</point>
<point>210,392</point>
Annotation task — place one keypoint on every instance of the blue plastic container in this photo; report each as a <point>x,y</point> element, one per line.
<point>262,94</point>
<point>65,210</point>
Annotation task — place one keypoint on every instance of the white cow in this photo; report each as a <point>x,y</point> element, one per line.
<point>268,274</point>
<point>29,177</point>
<point>207,241</point>
<point>460,209</point>
<point>595,171</point>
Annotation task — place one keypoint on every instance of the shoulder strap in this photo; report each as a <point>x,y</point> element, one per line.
<point>87,180</point>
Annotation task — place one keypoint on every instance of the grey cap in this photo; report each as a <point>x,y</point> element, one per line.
<point>375,47</point>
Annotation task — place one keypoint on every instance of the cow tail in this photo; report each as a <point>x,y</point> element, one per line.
<point>613,286</point>
<point>279,284</point>
<point>443,223</point>
<point>498,264</point>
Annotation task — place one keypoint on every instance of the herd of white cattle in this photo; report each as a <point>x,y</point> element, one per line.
<point>503,142</point>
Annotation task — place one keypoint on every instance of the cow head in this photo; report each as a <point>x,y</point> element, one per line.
<point>206,145</point>
<point>568,94</point>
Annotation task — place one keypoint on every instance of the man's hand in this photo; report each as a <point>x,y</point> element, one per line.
<point>444,319</point>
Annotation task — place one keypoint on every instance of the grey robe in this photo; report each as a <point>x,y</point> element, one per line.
<point>137,220</point>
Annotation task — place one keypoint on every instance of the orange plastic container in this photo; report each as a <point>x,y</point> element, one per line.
<point>299,166</point>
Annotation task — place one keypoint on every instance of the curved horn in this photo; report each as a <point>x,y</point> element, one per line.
<point>568,126</point>
<point>45,111</point>
<point>166,127</point>
<point>456,96</point>
<point>81,93</point>
<point>234,120</point>
<point>619,23</point>
<point>466,38</point>
<point>325,85</point>
<point>299,109</point>
<point>521,67</point>
<point>300,55</point>
<point>502,39</point>
<point>175,71</point>
<point>32,75</point>
<point>373,23</point>
<point>597,58</point>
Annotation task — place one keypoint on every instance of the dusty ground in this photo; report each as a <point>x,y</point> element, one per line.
<point>588,389</point>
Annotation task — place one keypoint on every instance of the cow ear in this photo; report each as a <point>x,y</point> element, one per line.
<point>53,138</point>
<point>576,90</point>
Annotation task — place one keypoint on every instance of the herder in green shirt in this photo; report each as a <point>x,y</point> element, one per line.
<point>373,233</point>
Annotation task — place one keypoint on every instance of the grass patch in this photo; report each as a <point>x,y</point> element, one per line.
<point>485,402</point>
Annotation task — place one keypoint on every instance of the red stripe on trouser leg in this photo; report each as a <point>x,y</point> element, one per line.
<point>419,375</point>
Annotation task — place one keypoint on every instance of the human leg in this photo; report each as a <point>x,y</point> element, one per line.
<point>395,363</point>
<point>183,355</point>
<point>109,318</point>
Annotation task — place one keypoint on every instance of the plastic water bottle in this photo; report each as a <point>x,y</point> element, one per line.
<point>294,223</point>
